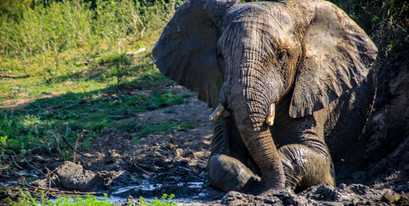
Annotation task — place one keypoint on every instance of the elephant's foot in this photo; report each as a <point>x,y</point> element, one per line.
<point>306,165</point>
<point>229,174</point>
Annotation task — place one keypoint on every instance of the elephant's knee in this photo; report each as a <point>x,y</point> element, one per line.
<point>305,167</point>
<point>227,173</point>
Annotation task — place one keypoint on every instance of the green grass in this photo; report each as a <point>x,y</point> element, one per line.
<point>60,108</point>
<point>53,45</point>
<point>82,74</point>
<point>76,72</point>
<point>165,200</point>
<point>59,27</point>
<point>26,199</point>
<point>45,123</point>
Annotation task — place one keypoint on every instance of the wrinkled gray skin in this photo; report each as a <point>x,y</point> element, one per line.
<point>302,63</point>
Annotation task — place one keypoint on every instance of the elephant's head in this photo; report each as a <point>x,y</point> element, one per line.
<point>247,57</point>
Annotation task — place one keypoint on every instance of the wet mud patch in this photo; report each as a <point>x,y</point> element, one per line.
<point>353,194</point>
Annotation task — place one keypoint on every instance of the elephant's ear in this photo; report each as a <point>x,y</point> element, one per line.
<point>186,50</point>
<point>338,55</point>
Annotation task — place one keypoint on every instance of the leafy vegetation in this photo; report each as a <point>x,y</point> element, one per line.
<point>387,22</point>
<point>371,14</point>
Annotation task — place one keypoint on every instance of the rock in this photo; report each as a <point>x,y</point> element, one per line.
<point>41,183</point>
<point>73,176</point>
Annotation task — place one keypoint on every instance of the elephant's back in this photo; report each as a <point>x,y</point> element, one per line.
<point>346,124</point>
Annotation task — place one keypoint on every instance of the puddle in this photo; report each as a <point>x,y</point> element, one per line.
<point>150,190</point>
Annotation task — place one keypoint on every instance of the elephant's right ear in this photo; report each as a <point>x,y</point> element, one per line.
<point>338,56</point>
<point>187,49</point>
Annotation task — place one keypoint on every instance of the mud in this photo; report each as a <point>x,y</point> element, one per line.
<point>354,194</point>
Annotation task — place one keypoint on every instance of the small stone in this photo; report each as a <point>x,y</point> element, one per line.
<point>40,183</point>
<point>198,155</point>
<point>179,152</point>
<point>342,186</point>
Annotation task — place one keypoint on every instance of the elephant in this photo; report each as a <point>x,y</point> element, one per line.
<point>291,81</point>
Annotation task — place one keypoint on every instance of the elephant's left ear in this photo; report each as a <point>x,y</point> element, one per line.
<point>338,55</point>
<point>187,48</point>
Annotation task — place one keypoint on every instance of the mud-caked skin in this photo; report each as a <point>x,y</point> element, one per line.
<point>291,81</point>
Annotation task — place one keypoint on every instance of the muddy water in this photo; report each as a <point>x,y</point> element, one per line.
<point>187,193</point>
<point>147,189</point>
<point>179,201</point>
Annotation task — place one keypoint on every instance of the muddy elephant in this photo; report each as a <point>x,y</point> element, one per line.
<point>290,81</point>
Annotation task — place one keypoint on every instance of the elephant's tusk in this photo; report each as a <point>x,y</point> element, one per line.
<point>217,113</point>
<point>271,115</point>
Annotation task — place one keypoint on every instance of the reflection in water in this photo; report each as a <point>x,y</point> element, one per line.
<point>190,191</point>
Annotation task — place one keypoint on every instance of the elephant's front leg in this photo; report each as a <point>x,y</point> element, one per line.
<point>306,158</point>
<point>226,167</point>
<point>306,165</point>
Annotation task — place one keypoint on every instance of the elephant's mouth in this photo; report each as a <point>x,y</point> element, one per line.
<point>221,112</point>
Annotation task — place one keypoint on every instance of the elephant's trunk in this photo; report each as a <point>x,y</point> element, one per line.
<point>252,101</point>
<point>260,145</point>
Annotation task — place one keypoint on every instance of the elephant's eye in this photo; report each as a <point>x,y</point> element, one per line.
<point>219,55</point>
<point>220,60</point>
<point>281,56</point>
